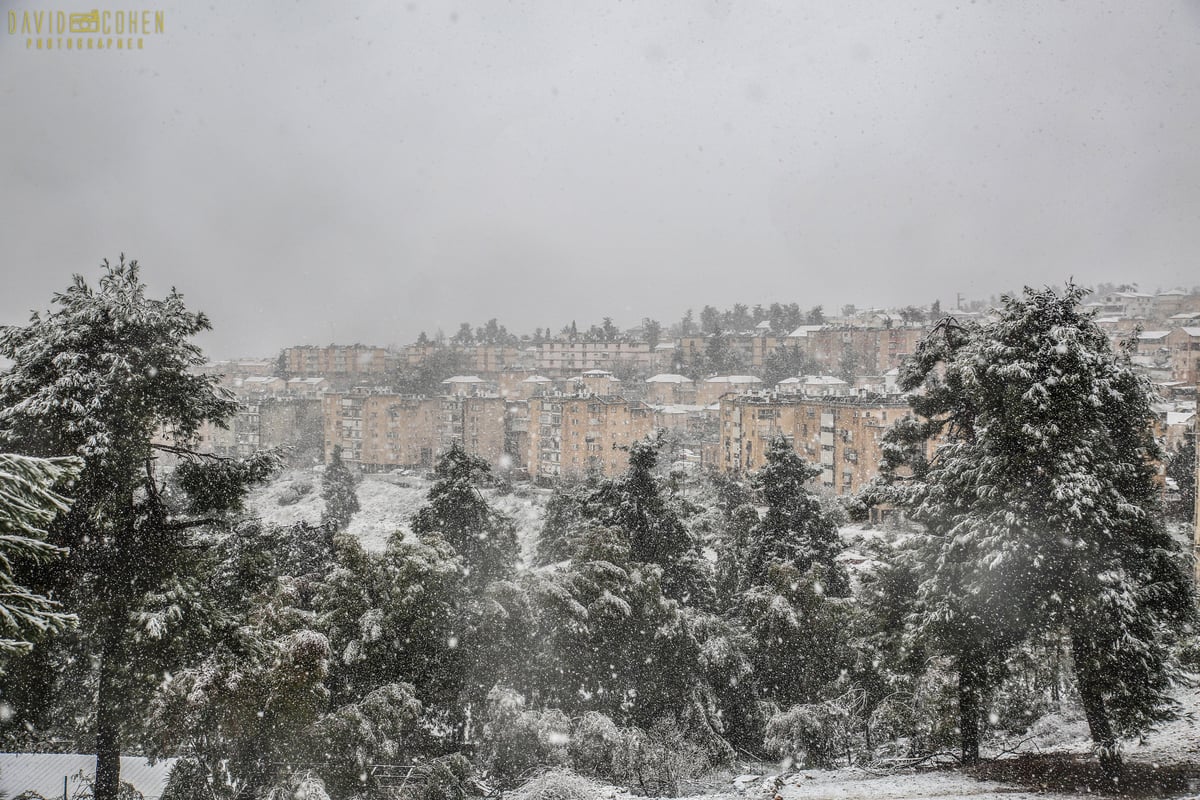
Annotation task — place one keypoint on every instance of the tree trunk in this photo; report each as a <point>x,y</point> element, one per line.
<point>970,689</point>
<point>108,720</point>
<point>1092,696</point>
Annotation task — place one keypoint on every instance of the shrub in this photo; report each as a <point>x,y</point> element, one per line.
<point>559,785</point>
<point>594,742</point>
<point>450,778</point>
<point>188,780</point>
<point>293,492</point>
<point>520,741</point>
<point>818,734</point>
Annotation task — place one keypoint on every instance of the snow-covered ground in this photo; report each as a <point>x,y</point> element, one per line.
<point>854,784</point>
<point>387,504</point>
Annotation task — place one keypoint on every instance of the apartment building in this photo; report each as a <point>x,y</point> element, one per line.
<point>870,351</point>
<point>1183,345</point>
<point>520,383</point>
<point>337,361</point>
<point>381,430</point>
<point>595,381</point>
<point>815,385</point>
<point>482,358</point>
<point>670,389</point>
<point>841,435</point>
<point>265,422</point>
<point>481,424</point>
<point>710,390</point>
<point>561,357</point>
<point>750,349</point>
<point>572,435</point>
<point>464,385</point>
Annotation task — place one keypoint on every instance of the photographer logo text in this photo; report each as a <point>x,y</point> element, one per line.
<point>92,30</point>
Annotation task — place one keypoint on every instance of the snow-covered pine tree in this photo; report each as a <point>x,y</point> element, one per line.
<point>484,538</point>
<point>634,504</point>
<point>28,503</point>
<point>1181,468</point>
<point>339,493</point>
<point>100,377</point>
<point>565,514</point>
<point>1041,510</point>
<point>795,529</point>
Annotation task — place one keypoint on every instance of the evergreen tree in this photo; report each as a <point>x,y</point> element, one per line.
<point>719,357</point>
<point>1040,507</point>
<point>338,492</point>
<point>28,503</point>
<point>635,505</point>
<point>566,513</point>
<point>610,641</point>
<point>795,529</point>
<point>100,377</point>
<point>790,577</point>
<point>652,331</point>
<point>1182,468</point>
<point>457,512</point>
<point>786,362</point>
<point>850,364</point>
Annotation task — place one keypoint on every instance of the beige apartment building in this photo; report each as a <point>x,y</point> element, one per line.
<point>482,358</point>
<point>481,426</point>
<point>840,435</point>
<point>380,430</point>
<point>337,361</point>
<point>874,350</point>
<point>561,357</point>
<point>573,435</point>
<point>1183,345</point>
<point>262,423</point>
<point>670,389</point>
<point>710,390</point>
<point>520,383</point>
<point>751,349</point>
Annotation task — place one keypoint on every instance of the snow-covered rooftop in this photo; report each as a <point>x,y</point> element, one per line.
<point>1180,418</point>
<point>464,379</point>
<point>733,379</point>
<point>537,379</point>
<point>814,380</point>
<point>668,377</point>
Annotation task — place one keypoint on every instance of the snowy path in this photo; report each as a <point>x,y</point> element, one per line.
<point>853,784</point>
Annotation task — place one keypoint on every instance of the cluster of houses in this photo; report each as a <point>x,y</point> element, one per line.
<point>564,407</point>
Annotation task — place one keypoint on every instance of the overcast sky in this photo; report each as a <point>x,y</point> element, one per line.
<point>359,171</point>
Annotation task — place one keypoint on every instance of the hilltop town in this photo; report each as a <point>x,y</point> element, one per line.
<point>549,406</point>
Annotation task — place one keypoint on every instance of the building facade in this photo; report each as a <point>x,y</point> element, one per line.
<point>842,436</point>
<point>571,435</point>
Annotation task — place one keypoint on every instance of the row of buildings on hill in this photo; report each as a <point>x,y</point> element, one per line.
<point>564,406</point>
